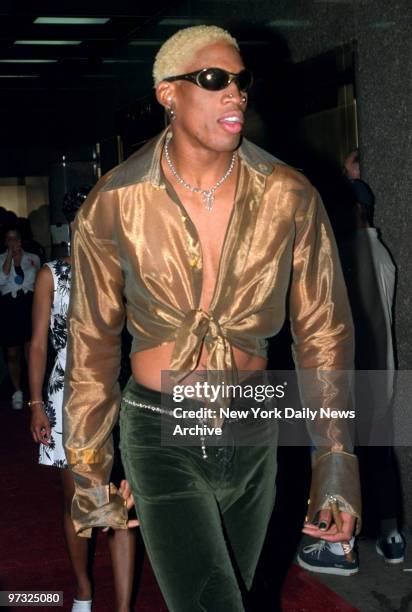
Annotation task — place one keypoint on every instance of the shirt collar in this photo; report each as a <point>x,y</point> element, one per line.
<point>144,165</point>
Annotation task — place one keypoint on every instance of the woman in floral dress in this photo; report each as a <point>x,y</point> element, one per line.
<point>60,270</point>
<point>50,306</point>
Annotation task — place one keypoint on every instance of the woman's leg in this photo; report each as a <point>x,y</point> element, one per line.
<point>13,364</point>
<point>77,547</point>
<point>122,545</point>
<point>26,351</point>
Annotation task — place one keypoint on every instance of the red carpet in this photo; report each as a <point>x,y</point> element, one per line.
<point>33,555</point>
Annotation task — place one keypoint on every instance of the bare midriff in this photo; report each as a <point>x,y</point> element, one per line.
<point>147,366</point>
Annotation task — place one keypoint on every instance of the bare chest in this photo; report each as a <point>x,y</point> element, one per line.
<point>211,227</point>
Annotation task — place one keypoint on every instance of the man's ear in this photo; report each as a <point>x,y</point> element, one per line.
<point>165,94</point>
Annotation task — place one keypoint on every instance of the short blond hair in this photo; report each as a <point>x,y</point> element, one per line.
<point>175,53</point>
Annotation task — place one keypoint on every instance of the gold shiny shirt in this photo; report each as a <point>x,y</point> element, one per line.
<point>136,253</point>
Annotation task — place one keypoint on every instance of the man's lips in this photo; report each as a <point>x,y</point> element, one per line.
<point>232,122</point>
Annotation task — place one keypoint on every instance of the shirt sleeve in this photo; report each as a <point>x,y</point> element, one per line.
<point>3,277</point>
<point>323,351</point>
<point>92,393</point>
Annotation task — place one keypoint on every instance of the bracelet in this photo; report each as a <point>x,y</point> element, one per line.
<point>33,402</point>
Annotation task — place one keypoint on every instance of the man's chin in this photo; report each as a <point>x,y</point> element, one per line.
<point>228,144</point>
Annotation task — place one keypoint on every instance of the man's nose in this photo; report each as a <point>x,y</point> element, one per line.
<point>233,92</point>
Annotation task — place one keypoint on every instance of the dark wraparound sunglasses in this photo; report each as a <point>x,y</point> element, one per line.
<point>215,79</point>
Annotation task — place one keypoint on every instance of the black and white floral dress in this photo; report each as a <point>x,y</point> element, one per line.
<point>54,453</point>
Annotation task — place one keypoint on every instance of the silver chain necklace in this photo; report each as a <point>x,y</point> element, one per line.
<point>208,195</point>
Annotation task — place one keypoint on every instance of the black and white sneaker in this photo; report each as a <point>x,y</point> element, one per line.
<point>392,549</point>
<point>319,558</point>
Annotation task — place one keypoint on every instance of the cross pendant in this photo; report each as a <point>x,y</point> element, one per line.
<point>208,198</point>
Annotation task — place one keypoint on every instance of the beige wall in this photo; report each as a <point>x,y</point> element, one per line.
<point>37,190</point>
<point>24,195</point>
<point>13,197</point>
<point>29,197</point>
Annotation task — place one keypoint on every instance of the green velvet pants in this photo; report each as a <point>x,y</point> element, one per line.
<point>203,521</point>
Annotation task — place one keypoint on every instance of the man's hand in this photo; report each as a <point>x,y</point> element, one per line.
<point>40,426</point>
<point>329,532</point>
<point>126,492</point>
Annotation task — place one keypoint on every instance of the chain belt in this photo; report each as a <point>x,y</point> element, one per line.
<point>159,410</point>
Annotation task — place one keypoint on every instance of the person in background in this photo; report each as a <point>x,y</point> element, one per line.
<point>362,193</point>
<point>51,299</point>
<point>3,219</point>
<point>29,241</point>
<point>18,271</point>
<point>3,366</point>
<point>7,219</point>
<point>370,276</point>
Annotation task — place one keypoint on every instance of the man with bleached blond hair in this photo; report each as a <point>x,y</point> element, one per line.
<point>202,242</point>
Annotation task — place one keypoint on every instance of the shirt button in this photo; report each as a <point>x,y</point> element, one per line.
<point>194,262</point>
<point>183,218</point>
<point>263,167</point>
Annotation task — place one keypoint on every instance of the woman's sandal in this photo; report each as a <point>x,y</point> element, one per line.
<point>82,605</point>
